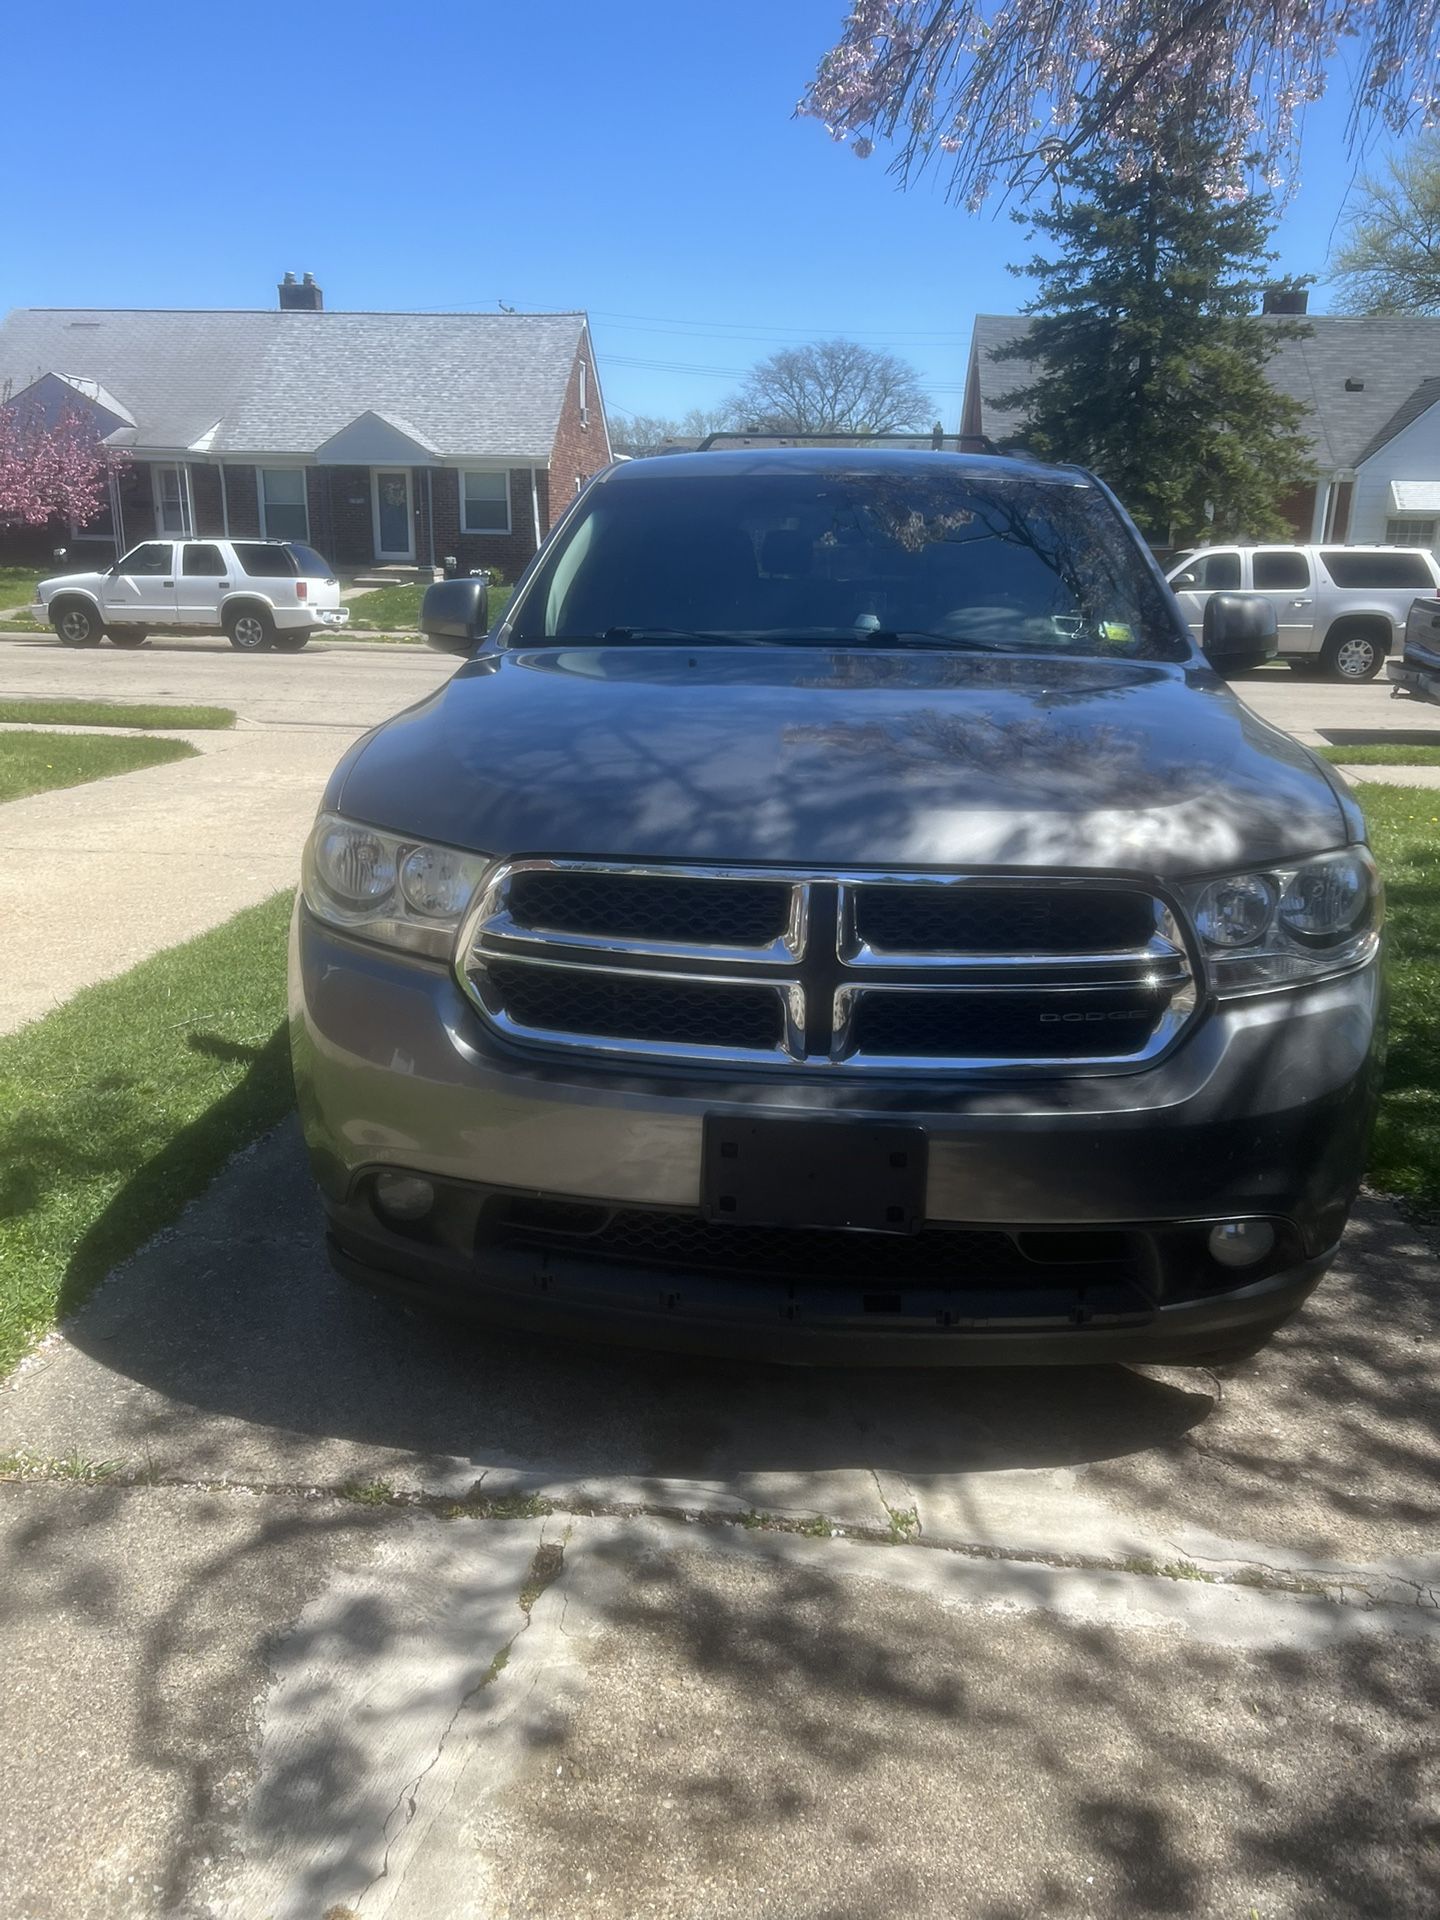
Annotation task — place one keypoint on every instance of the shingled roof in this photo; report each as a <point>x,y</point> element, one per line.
<point>242,383</point>
<point>1387,354</point>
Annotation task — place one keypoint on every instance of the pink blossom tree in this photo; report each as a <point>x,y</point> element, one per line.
<point>1005,93</point>
<point>52,466</point>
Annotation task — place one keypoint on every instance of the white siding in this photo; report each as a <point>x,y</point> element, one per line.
<point>1413,454</point>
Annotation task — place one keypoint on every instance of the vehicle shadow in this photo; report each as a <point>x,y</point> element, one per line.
<point>257,1358</point>
<point>254,1361</point>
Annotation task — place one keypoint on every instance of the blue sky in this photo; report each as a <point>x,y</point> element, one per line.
<point>638,158</point>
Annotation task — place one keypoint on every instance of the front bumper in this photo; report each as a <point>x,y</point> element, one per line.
<point>1263,1111</point>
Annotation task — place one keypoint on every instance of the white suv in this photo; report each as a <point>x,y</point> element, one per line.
<point>1340,609</point>
<point>262,593</point>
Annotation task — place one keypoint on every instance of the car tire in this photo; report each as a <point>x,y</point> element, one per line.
<point>290,642</point>
<point>127,637</point>
<point>77,624</point>
<point>1354,653</point>
<point>250,629</point>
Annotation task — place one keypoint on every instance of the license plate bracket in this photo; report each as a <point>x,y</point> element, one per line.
<point>813,1173</point>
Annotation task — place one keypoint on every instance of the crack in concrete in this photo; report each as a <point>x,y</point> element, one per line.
<point>546,1566</point>
<point>1348,1586</point>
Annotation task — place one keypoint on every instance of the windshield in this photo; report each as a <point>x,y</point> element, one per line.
<point>869,558</point>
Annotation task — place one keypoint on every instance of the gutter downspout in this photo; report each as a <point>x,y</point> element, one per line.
<point>224,503</point>
<point>535,503</point>
<point>189,501</point>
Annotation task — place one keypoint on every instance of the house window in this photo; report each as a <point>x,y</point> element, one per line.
<point>584,394</point>
<point>485,502</point>
<point>1410,533</point>
<point>283,512</point>
<point>172,499</point>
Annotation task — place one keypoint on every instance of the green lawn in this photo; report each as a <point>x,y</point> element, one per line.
<point>122,1105</point>
<point>35,762</point>
<point>113,713</point>
<point>392,609</point>
<point>1382,756</point>
<point>17,584</point>
<point>1405,832</point>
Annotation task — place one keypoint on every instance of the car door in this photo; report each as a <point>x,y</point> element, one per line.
<point>1215,570</point>
<point>141,590</point>
<point>1284,577</point>
<point>203,578</point>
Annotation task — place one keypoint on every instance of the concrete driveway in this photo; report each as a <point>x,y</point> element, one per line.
<point>316,1606</point>
<point>313,1607</point>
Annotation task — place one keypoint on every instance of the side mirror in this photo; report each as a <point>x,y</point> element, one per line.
<point>1180,581</point>
<point>1239,631</point>
<point>455,614</point>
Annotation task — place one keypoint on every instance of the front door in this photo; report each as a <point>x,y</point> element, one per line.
<point>394,521</point>
<point>141,590</point>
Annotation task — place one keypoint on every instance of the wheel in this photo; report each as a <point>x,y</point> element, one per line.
<point>251,629</point>
<point>290,642</point>
<point>78,625</point>
<point>127,637</point>
<point>1353,653</point>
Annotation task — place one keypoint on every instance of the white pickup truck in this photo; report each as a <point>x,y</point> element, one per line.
<point>261,593</point>
<point>1340,610</point>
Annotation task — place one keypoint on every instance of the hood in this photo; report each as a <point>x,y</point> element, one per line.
<point>58,580</point>
<point>839,758</point>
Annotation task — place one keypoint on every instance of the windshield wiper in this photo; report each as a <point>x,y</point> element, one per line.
<point>661,636</point>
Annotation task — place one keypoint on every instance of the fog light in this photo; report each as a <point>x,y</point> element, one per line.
<point>403,1196</point>
<point>1240,1243</point>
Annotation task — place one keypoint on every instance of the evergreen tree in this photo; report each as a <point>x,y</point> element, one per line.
<point>1147,347</point>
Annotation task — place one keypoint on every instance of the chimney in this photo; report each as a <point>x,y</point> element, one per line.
<point>1289,300</point>
<point>301,297</point>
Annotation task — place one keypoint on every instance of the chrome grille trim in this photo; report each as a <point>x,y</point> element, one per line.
<point>852,971</point>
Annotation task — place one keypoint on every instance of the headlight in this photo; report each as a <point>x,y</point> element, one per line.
<point>1290,924</point>
<point>388,887</point>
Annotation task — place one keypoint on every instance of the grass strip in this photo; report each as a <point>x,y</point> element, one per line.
<point>36,762</point>
<point>115,713</point>
<point>1377,755</point>
<point>1405,832</point>
<point>121,1106</point>
<point>391,609</point>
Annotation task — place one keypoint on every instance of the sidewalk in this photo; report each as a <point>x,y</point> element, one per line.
<point>95,878</point>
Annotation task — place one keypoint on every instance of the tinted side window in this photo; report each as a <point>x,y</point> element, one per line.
<point>263,562</point>
<point>1280,570</point>
<point>1347,568</point>
<point>1210,573</point>
<point>310,564</point>
<point>155,556</point>
<point>206,563</point>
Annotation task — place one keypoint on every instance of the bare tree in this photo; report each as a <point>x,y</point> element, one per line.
<point>833,386</point>
<point>642,433</point>
<point>1390,262</point>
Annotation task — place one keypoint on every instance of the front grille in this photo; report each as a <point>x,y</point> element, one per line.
<point>936,1256</point>
<point>999,920</point>
<point>827,971</point>
<point>629,1007</point>
<point>651,906</point>
<point>1001,1025</point>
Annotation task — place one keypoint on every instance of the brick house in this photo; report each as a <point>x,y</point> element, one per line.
<point>381,438</point>
<point>1371,389</point>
